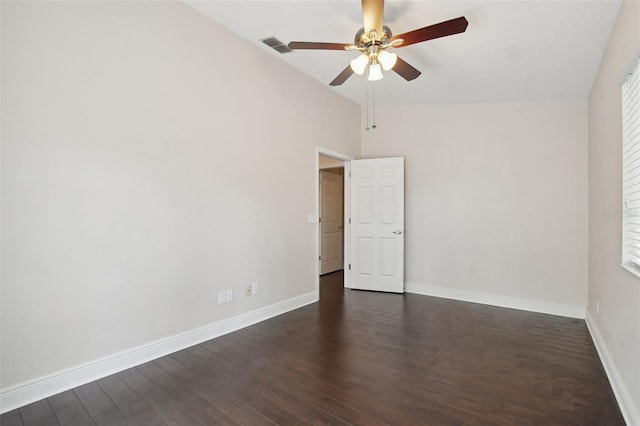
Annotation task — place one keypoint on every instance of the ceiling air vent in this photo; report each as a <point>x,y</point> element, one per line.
<point>276,44</point>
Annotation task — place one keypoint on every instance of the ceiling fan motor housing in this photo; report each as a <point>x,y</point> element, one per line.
<point>364,41</point>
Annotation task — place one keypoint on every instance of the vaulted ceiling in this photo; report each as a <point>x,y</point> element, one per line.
<point>512,51</point>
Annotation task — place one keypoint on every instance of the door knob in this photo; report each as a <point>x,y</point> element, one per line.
<point>397,231</point>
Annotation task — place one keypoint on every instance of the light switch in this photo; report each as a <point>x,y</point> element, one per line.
<point>312,218</point>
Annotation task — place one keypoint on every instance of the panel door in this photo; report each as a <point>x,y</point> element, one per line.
<point>331,222</point>
<point>377,224</point>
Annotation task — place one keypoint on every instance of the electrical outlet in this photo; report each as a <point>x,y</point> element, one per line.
<point>249,291</point>
<point>255,288</point>
<point>597,307</point>
<point>222,298</point>
<point>229,295</point>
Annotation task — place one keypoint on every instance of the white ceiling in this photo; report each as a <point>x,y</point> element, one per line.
<point>512,51</point>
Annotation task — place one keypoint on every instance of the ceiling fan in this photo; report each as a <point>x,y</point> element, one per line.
<point>374,39</point>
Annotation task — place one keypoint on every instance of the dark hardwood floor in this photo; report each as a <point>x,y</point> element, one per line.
<point>360,358</point>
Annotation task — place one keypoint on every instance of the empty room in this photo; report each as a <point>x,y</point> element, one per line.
<point>320,212</point>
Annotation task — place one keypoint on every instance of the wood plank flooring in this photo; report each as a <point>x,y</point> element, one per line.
<point>360,358</point>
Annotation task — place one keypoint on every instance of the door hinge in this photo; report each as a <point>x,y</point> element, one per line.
<point>349,266</point>
<point>319,257</point>
<point>319,220</point>
<point>349,221</point>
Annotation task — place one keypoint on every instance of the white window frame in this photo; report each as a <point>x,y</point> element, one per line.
<point>630,92</point>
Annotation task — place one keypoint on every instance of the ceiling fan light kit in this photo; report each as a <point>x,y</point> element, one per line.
<point>375,71</point>
<point>359,64</point>
<point>374,58</point>
<point>387,60</point>
<point>374,53</point>
<point>374,39</point>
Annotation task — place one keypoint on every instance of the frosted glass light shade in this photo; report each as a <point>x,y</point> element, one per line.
<point>359,64</point>
<point>375,72</point>
<point>387,60</point>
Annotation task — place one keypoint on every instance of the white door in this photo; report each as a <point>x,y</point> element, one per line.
<point>331,226</point>
<point>377,224</point>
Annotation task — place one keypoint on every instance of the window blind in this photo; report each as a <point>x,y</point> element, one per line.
<point>631,168</point>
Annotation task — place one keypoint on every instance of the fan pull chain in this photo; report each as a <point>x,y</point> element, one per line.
<point>371,104</point>
<point>367,97</point>
<point>374,108</point>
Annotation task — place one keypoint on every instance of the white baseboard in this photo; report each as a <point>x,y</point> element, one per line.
<point>630,409</point>
<point>571,311</point>
<point>35,390</point>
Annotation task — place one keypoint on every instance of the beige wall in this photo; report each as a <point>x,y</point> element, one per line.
<point>496,196</point>
<point>143,171</point>
<point>616,289</point>
<point>150,158</point>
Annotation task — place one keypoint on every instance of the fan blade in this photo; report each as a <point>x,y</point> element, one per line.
<point>372,14</point>
<point>443,29</point>
<point>405,70</point>
<point>318,46</point>
<point>342,77</point>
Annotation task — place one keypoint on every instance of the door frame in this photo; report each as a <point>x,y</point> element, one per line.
<point>347,211</point>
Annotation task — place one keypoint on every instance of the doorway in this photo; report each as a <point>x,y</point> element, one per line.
<point>331,218</point>
<point>332,229</point>
<point>373,246</point>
